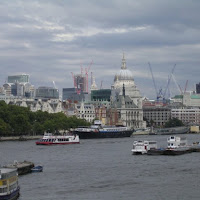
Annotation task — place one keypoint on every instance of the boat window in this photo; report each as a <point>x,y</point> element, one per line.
<point>3,190</point>
<point>13,186</point>
<point>152,142</point>
<point>4,182</point>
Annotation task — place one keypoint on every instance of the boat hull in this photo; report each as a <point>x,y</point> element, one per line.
<point>13,196</point>
<point>55,143</point>
<point>96,135</point>
<point>169,152</point>
<point>37,169</point>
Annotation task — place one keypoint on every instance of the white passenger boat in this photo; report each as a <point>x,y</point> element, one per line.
<point>9,188</point>
<point>142,147</point>
<point>49,139</point>
<point>174,142</point>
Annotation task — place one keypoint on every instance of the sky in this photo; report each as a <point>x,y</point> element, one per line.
<point>49,39</point>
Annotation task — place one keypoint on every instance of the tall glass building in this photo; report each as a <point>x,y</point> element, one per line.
<point>23,78</point>
<point>100,95</point>
<point>47,93</point>
<point>71,94</point>
<point>198,88</point>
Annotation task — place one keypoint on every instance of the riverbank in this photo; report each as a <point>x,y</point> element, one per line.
<point>21,138</point>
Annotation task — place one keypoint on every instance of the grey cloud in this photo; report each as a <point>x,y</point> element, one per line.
<point>171,35</point>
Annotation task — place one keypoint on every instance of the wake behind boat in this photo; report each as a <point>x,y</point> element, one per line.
<point>99,131</point>
<point>49,139</point>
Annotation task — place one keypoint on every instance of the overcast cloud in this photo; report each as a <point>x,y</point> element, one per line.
<point>50,39</point>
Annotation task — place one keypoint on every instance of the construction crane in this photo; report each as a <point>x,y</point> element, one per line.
<point>161,94</point>
<point>177,85</point>
<point>54,85</point>
<point>86,74</point>
<point>168,82</point>
<point>81,70</point>
<point>154,83</point>
<point>91,77</point>
<point>186,84</point>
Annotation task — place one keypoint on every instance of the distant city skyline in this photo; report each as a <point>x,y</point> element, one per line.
<point>50,39</point>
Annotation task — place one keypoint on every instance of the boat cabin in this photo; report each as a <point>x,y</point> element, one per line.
<point>176,142</point>
<point>142,147</point>
<point>9,188</point>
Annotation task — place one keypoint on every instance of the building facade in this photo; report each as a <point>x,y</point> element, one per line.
<point>156,115</point>
<point>126,98</point>
<point>50,105</point>
<point>189,99</point>
<point>47,93</point>
<point>187,115</point>
<point>198,88</point>
<point>80,82</point>
<point>85,111</point>
<point>101,114</point>
<point>101,95</point>
<point>72,95</point>
<point>19,85</point>
<point>22,78</point>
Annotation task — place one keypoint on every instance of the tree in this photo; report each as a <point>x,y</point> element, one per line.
<point>4,128</point>
<point>17,120</point>
<point>174,122</point>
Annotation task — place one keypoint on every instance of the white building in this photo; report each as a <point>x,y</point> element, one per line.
<point>85,111</point>
<point>188,99</point>
<point>19,85</point>
<point>50,106</point>
<point>187,115</point>
<point>126,98</point>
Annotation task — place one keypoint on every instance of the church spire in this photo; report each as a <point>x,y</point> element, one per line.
<point>123,62</point>
<point>123,90</point>
<point>93,86</point>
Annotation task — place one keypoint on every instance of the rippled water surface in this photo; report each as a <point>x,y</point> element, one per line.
<point>105,169</point>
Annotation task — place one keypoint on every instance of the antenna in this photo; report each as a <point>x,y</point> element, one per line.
<point>101,84</point>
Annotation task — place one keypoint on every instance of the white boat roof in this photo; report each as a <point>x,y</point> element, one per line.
<point>7,170</point>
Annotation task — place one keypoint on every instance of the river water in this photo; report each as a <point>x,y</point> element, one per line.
<point>105,169</point>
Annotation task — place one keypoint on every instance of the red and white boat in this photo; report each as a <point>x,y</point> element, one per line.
<point>49,139</point>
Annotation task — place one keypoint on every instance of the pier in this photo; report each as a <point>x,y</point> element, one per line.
<point>174,152</point>
<point>20,138</point>
<point>22,167</point>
